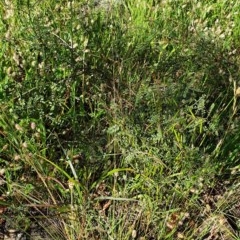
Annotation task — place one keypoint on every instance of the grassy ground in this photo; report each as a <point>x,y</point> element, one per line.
<point>120,122</point>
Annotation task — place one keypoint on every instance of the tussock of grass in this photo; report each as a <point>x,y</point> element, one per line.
<point>120,122</point>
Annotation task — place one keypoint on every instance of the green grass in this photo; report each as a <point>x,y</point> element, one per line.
<point>120,123</point>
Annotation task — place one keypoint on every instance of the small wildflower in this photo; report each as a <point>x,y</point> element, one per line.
<point>33,63</point>
<point>237,92</point>
<point>70,184</point>
<point>2,171</point>
<point>25,145</point>
<point>5,147</point>
<point>222,36</point>
<point>17,157</point>
<point>33,125</point>
<point>37,135</point>
<point>16,58</point>
<point>193,190</point>
<point>9,14</point>
<point>170,225</point>
<point>9,71</point>
<point>78,59</point>
<point>134,233</point>
<point>8,35</point>
<point>180,236</point>
<point>41,65</point>
<point>18,127</point>
<point>74,45</point>
<point>125,177</point>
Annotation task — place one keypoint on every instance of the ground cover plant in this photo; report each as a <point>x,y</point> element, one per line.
<point>120,119</point>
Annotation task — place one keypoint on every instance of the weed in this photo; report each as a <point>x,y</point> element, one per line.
<point>119,119</point>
